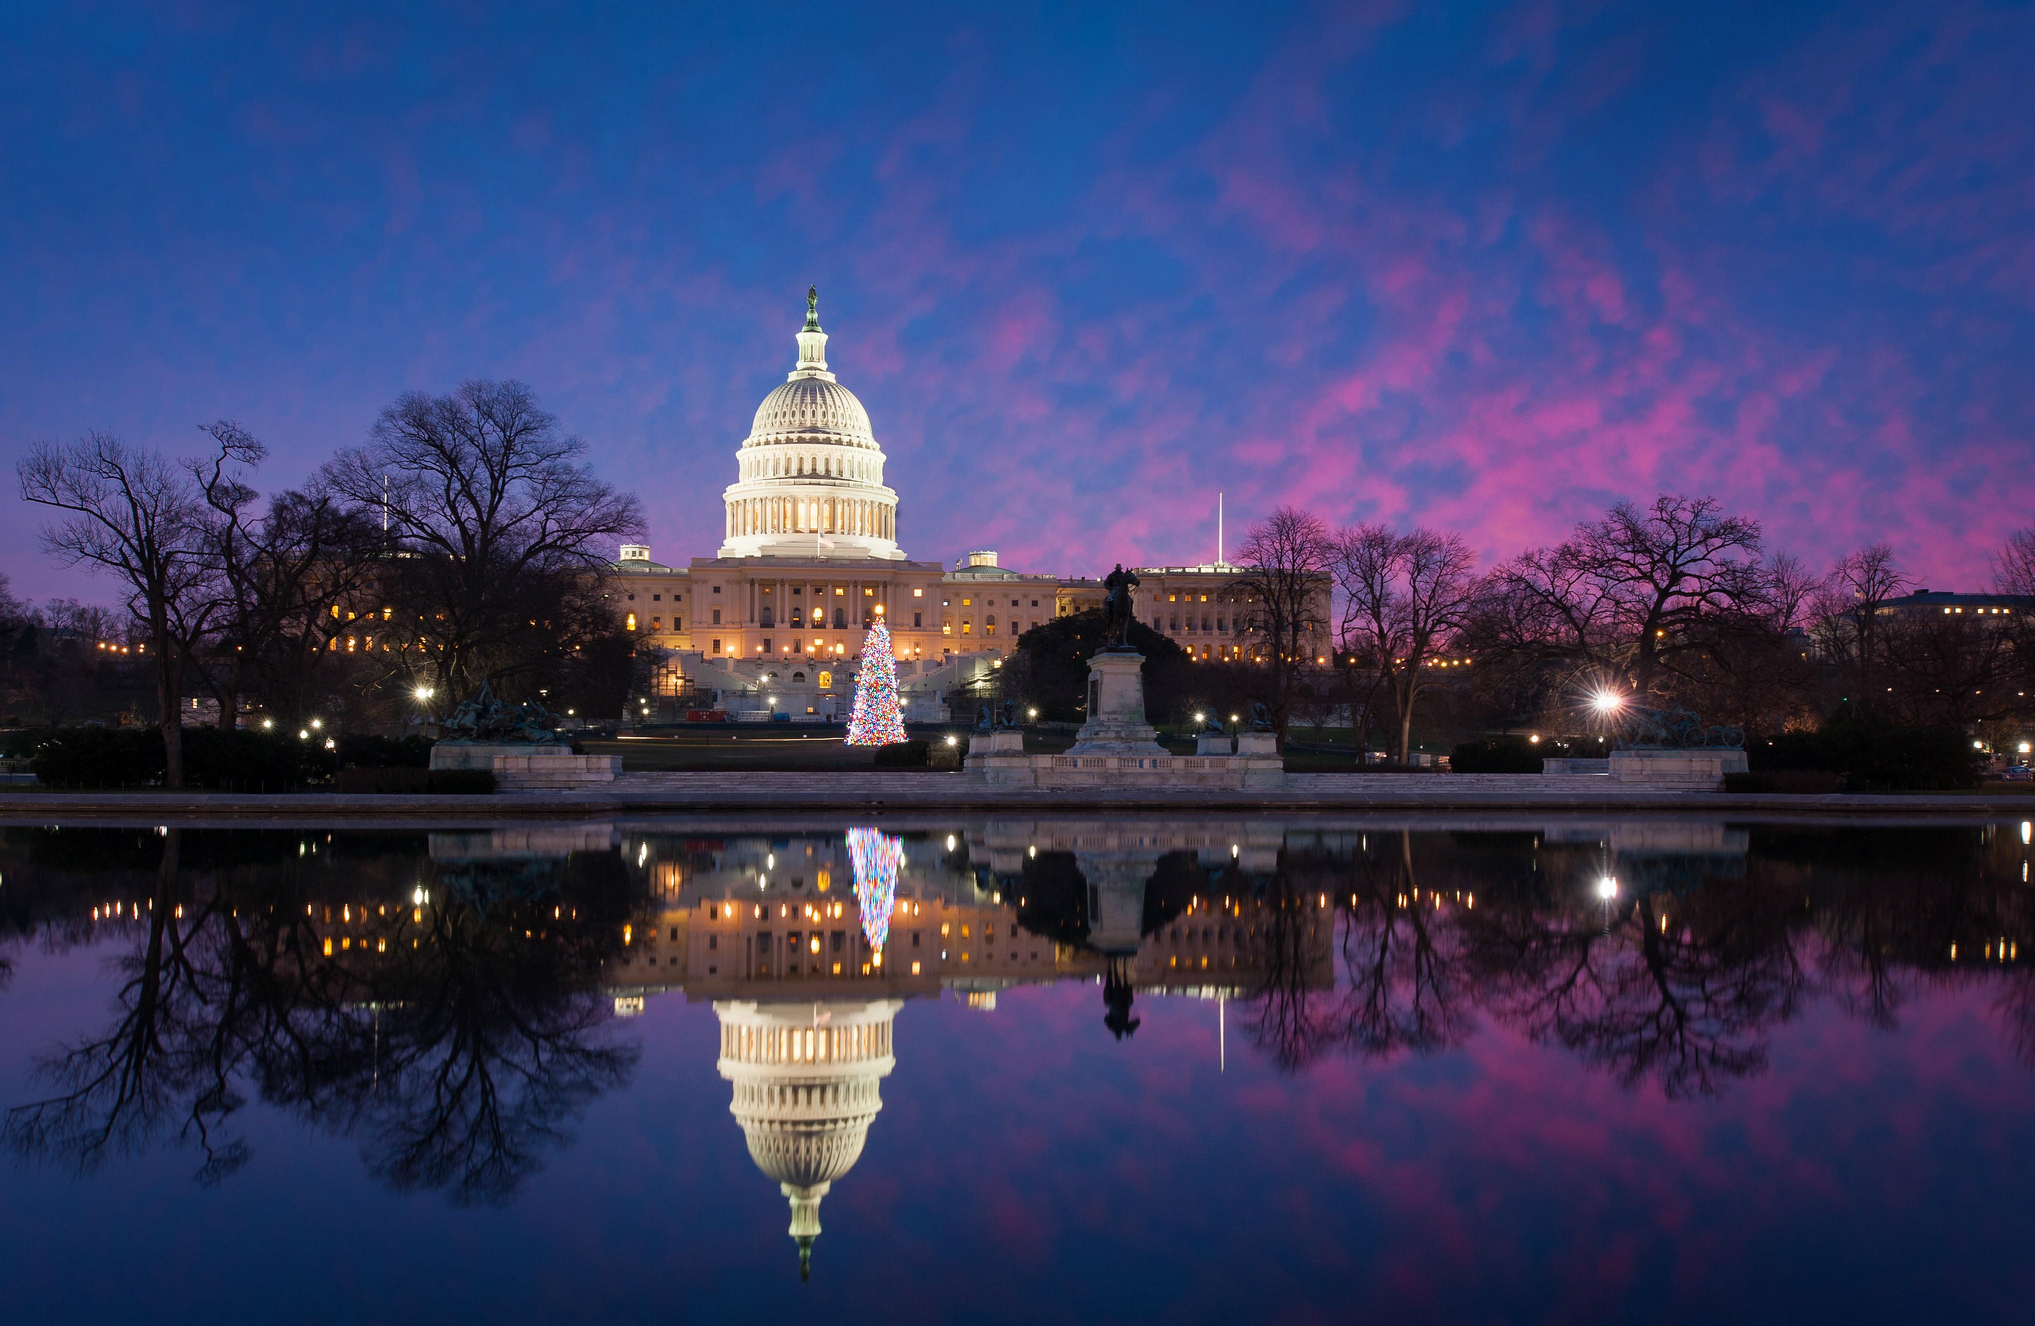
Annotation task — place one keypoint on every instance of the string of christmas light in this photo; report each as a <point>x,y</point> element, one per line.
<point>875,857</point>
<point>873,719</point>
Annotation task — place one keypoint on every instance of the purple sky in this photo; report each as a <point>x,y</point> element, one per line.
<point>1490,268</point>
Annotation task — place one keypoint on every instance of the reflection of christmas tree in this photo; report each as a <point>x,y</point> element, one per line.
<point>875,857</point>
<point>874,719</point>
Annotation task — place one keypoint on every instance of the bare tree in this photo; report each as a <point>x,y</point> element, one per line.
<point>2014,565</point>
<point>140,516</point>
<point>1403,596</point>
<point>1851,621</point>
<point>280,573</point>
<point>1637,599</point>
<point>497,525</point>
<point>1285,588</point>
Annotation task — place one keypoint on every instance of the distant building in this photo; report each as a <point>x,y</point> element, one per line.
<point>1927,603</point>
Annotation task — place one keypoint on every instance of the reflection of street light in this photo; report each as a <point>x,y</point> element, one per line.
<point>1607,888</point>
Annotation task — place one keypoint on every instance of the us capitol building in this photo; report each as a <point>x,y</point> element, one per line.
<point>810,558</point>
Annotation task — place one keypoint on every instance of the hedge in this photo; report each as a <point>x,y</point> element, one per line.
<point>903,755</point>
<point>1785,780</point>
<point>1875,757</point>
<point>243,760</point>
<point>1496,755</point>
<point>410,781</point>
<point>239,761</point>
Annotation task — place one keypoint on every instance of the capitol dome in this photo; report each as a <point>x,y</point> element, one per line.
<point>818,408</point>
<point>805,1092</point>
<point>809,476</point>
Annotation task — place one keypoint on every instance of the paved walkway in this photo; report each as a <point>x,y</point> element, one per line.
<point>639,794</point>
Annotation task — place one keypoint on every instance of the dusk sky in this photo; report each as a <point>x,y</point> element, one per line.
<point>1490,268</point>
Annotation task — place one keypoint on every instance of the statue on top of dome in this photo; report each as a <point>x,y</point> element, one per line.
<point>812,308</point>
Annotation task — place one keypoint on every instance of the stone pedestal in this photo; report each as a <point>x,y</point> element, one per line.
<point>524,767</point>
<point>554,771</point>
<point>1213,743</point>
<point>1116,708</point>
<point>1694,768</point>
<point>1117,748</point>
<point>477,754</point>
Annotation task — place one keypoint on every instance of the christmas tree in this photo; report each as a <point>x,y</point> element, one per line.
<point>874,719</point>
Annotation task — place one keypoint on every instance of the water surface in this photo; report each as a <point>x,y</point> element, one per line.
<point>1099,1070</point>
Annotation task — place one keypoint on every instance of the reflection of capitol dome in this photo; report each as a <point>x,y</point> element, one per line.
<point>810,468</point>
<point>805,1080</point>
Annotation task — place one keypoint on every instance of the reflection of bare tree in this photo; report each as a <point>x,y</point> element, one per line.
<point>1290,1015</point>
<point>459,1047</point>
<point>1402,960</point>
<point>2016,1009</point>
<point>1399,986</point>
<point>1679,991</point>
<point>123,1087</point>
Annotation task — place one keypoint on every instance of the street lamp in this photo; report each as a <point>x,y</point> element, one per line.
<point>1607,702</point>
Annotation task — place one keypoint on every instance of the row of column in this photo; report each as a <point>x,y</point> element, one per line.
<point>812,515</point>
<point>822,594</point>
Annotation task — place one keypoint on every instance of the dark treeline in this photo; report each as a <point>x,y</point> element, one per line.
<point>1675,604</point>
<point>466,540</point>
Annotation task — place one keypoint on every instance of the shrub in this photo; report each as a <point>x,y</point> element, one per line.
<point>246,761</point>
<point>1875,757</point>
<point>361,751</point>
<point>92,757</point>
<point>231,761</point>
<point>1496,755</point>
<point>411,781</point>
<point>903,755</point>
<point>1798,781</point>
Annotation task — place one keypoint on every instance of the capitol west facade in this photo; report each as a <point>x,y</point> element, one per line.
<point>810,558</point>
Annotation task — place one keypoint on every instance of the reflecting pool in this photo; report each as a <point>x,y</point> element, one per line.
<point>1100,1070</point>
